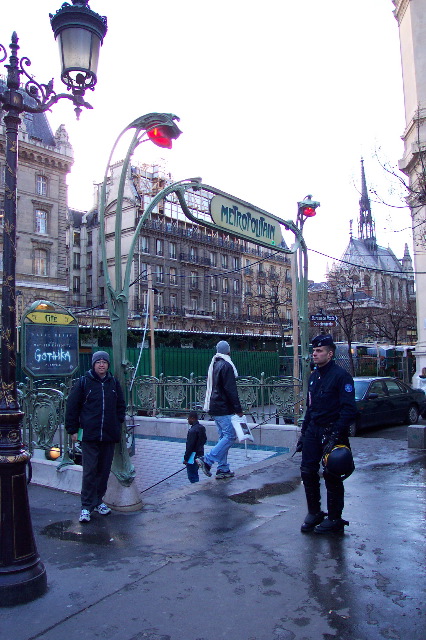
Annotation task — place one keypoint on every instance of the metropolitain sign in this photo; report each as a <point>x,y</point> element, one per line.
<point>237,218</point>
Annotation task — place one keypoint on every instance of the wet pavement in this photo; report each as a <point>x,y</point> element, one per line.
<point>226,559</point>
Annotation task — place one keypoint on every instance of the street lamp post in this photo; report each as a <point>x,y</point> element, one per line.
<point>161,129</point>
<point>305,209</point>
<point>79,32</point>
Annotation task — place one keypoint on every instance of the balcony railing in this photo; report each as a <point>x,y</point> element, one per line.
<point>199,236</point>
<point>192,259</point>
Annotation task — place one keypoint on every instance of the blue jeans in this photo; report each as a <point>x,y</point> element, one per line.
<point>227,437</point>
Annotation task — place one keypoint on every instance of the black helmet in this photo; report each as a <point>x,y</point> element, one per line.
<point>339,462</point>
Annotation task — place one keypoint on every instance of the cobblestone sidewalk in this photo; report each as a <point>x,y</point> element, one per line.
<point>156,459</point>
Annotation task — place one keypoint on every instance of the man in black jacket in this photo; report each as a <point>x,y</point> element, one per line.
<point>330,410</point>
<point>96,405</point>
<point>222,403</point>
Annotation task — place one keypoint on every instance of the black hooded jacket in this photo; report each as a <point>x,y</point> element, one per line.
<point>97,406</point>
<point>224,400</point>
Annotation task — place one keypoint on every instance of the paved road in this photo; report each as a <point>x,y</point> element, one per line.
<point>226,560</point>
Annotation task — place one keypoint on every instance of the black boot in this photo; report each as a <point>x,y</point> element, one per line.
<point>335,504</point>
<point>311,520</point>
<point>311,482</point>
<point>331,526</point>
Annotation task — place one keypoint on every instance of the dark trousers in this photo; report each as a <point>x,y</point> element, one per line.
<point>192,471</point>
<point>312,453</point>
<point>97,460</point>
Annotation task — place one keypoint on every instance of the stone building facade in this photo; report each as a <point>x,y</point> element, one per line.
<point>205,281</point>
<point>44,160</point>
<point>410,15</point>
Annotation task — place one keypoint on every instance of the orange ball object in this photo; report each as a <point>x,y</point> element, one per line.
<point>53,453</point>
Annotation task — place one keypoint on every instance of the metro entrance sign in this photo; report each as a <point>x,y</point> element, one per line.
<point>255,224</point>
<point>322,320</point>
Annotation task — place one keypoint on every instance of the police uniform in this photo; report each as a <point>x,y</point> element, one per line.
<point>330,411</point>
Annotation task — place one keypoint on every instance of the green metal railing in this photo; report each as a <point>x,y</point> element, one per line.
<point>265,398</point>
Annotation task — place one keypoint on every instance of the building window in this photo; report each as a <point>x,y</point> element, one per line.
<point>236,309</point>
<point>236,263</point>
<point>143,273</point>
<point>159,269</point>
<point>261,290</point>
<point>213,306</point>
<point>76,260</point>
<point>89,284</point>
<point>40,221</point>
<point>194,304</point>
<point>40,262</point>
<point>173,250</point>
<point>144,245</point>
<point>213,258</point>
<point>215,283</point>
<point>1,209</point>
<point>236,286</point>
<point>173,302</point>
<point>248,310</point>
<point>145,301</point>
<point>225,285</point>
<point>76,238</point>
<point>224,261</point>
<point>89,260</point>
<point>89,238</point>
<point>160,300</point>
<point>194,279</point>
<point>159,247</point>
<point>225,307</point>
<point>41,186</point>
<point>76,284</point>
<point>173,275</point>
<point>193,254</point>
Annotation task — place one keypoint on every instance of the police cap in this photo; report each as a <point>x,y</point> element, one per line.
<point>323,340</point>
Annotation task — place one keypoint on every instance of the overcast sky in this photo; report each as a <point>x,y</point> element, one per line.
<point>277,99</point>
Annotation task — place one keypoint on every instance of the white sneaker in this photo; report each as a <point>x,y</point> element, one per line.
<point>84,516</point>
<point>102,509</point>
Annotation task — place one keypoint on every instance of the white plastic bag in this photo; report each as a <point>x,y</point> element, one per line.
<point>242,429</point>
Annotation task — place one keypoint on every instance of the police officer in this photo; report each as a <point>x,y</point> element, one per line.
<point>330,410</point>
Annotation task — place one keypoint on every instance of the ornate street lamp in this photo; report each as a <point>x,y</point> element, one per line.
<point>306,208</point>
<point>161,129</point>
<point>80,32</point>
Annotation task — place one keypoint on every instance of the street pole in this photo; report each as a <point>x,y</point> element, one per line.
<point>295,323</point>
<point>151,320</point>
<point>22,574</point>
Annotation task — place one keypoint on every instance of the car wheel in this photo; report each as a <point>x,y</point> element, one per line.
<point>413,414</point>
<point>353,428</point>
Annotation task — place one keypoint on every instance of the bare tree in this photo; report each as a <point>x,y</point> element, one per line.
<point>341,296</point>
<point>392,322</point>
<point>272,302</point>
<point>411,193</point>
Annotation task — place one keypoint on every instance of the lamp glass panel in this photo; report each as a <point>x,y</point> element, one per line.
<point>79,50</point>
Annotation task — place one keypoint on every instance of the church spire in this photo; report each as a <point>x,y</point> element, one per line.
<point>366,228</point>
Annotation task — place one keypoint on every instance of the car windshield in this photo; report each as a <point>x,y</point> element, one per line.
<point>360,388</point>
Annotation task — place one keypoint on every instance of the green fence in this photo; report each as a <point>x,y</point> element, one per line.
<point>175,361</point>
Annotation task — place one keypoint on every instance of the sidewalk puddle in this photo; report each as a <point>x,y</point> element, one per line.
<point>254,496</point>
<point>69,530</point>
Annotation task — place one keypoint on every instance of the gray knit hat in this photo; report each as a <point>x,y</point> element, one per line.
<point>223,347</point>
<point>100,355</point>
